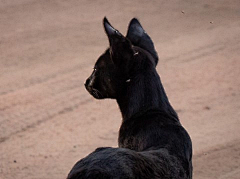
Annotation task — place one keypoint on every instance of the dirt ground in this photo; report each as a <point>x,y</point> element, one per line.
<point>48,48</point>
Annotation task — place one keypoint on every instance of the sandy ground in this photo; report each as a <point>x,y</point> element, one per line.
<point>48,48</point>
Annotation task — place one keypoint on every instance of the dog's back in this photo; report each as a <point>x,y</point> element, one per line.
<point>121,163</point>
<point>154,131</point>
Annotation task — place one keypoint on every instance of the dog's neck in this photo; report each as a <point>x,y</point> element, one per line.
<point>144,92</point>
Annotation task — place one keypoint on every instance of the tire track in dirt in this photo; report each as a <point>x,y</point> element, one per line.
<point>234,174</point>
<point>44,100</point>
<point>201,51</point>
<point>39,79</point>
<point>39,118</point>
<point>227,167</point>
<point>215,46</point>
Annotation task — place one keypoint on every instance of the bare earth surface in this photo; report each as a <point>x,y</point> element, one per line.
<point>48,48</point>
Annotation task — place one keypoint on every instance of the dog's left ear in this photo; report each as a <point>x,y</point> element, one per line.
<point>120,47</point>
<point>138,36</point>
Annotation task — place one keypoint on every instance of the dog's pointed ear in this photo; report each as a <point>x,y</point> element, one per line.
<point>110,30</point>
<point>120,47</point>
<point>138,36</point>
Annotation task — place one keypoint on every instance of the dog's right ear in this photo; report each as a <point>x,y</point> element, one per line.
<point>120,47</point>
<point>138,36</point>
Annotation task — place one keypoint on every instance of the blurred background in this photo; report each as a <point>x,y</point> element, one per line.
<point>48,48</point>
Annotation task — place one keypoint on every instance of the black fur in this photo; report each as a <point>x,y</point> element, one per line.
<point>152,142</point>
<point>137,35</point>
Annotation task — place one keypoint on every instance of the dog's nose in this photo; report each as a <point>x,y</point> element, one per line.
<point>87,82</point>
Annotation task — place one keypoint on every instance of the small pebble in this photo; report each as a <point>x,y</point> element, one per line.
<point>207,108</point>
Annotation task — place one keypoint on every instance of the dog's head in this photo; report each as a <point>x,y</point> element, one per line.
<point>113,69</point>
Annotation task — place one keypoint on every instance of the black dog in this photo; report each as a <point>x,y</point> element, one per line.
<point>152,142</point>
